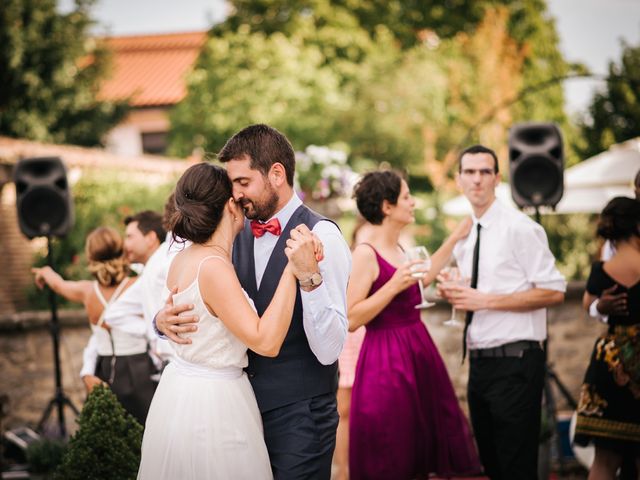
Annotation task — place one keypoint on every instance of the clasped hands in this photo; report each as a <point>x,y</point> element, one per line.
<point>304,251</point>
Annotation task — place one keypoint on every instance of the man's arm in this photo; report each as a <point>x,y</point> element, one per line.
<point>89,361</point>
<point>467,298</point>
<point>325,308</point>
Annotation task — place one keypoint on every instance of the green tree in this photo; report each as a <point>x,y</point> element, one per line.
<point>614,114</point>
<point>410,82</point>
<point>333,28</point>
<point>398,96</point>
<point>245,77</point>
<point>50,71</point>
<point>405,18</point>
<point>533,28</point>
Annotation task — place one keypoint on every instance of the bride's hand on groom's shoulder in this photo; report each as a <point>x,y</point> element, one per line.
<point>304,250</point>
<point>171,324</point>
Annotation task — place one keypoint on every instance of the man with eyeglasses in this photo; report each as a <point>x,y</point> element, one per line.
<point>513,279</point>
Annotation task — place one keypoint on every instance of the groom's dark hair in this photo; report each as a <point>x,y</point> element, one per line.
<point>264,146</point>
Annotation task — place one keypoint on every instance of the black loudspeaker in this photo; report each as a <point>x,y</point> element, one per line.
<point>43,199</point>
<point>536,164</point>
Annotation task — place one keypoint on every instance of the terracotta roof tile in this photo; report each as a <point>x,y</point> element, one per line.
<point>151,68</point>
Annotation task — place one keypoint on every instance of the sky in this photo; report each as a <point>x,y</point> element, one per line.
<point>590,30</point>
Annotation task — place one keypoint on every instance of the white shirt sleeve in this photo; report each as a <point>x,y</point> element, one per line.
<point>535,258</point>
<point>324,309</point>
<point>593,311</point>
<point>89,357</point>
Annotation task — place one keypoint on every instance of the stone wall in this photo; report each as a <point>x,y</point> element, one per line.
<point>26,363</point>
<point>26,358</point>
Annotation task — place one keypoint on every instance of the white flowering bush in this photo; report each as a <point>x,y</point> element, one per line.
<point>323,173</point>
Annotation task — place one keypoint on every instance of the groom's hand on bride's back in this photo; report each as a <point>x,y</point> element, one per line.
<point>171,324</point>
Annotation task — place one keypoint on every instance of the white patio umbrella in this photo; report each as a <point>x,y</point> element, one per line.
<point>588,186</point>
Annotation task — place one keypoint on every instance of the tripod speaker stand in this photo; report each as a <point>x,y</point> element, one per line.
<point>45,209</point>
<point>59,400</point>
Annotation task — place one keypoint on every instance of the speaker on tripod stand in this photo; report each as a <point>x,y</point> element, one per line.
<point>45,209</point>
<point>536,164</point>
<point>536,168</point>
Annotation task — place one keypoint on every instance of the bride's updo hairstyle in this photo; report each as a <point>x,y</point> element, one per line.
<point>200,197</point>
<point>373,189</point>
<point>105,254</point>
<point>620,219</point>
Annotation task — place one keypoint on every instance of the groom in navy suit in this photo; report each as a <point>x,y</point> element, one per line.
<point>295,391</point>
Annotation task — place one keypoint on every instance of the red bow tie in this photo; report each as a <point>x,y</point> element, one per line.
<point>272,226</point>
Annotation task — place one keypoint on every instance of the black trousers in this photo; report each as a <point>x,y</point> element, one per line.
<point>132,382</point>
<point>301,438</point>
<point>505,396</point>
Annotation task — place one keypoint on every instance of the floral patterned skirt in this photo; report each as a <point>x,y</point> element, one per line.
<point>609,407</point>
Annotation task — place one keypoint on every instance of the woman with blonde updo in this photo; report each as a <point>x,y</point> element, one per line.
<point>123,361</point>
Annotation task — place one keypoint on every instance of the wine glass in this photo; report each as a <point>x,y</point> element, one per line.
<point>419,253</point>
<point>454,276</point>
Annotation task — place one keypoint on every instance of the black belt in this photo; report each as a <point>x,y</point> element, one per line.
<point>514,349</point>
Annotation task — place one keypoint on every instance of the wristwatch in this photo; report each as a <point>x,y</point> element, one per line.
<point>313,281</point>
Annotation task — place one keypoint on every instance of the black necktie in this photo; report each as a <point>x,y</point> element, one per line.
<point>474,284</point>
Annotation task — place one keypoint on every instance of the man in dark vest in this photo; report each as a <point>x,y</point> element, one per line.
<point>296,391</point>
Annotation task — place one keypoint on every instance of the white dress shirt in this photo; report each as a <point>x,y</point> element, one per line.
<point>324,309</point>
<point>514,257</point>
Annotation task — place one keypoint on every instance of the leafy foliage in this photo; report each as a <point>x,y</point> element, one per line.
<point>572,240</point>
<point>246,77</point>
<point>534,30</point>
<point>50,71</point>
<point>615,111</point>
<point>410,83</point>
<point>107,444</point>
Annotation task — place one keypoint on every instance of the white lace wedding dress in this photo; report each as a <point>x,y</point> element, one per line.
<point>204,422</point>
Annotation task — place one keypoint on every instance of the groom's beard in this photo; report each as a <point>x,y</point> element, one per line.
<point>262,209</point>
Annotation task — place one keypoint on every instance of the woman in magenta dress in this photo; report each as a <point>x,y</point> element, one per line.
<point>405,419</point>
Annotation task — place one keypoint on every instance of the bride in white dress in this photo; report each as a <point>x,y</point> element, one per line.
<point>204,422</point>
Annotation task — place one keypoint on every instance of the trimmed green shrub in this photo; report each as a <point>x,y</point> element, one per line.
<point>107,444</point>
<point>44,455</point>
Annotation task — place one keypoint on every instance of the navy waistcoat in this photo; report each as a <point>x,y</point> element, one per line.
<point>295,374</point>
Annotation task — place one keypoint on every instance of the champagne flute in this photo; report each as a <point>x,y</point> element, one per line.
<point>454,276</point>
<point>420,253</point>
